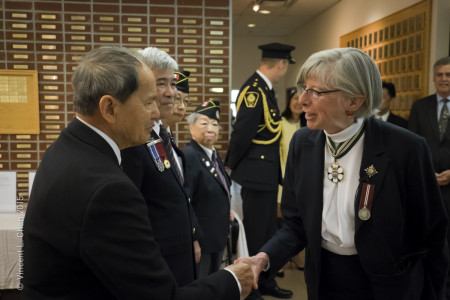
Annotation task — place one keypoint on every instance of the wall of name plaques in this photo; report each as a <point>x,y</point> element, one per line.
<point>400,46</point>
<point>51,37</point>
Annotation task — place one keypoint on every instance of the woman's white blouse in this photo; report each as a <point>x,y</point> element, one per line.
<point>338,214</point>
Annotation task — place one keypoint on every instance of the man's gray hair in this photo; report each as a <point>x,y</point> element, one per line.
<point>347,69</point>
<point>443,61</point>
<point>105,71</point>
<point>157,59</point>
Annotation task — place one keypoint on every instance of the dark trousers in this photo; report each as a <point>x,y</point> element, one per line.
<point>343,278</point>
<point>209,263</point>
<point>260,217</point>
<point>260,223</point>
<point>445,192</point>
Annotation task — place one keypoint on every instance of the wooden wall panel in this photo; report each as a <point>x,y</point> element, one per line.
<point>52,36</point>
<point>400,46</point>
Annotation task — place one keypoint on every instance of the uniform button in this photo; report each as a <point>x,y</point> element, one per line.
<point>274,114</point>
<point>189,200</point>
<point>193,230</point>
<point>262,156</point>
<point>215,175</point>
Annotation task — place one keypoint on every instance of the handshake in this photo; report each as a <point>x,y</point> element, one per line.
<point>247,270</point>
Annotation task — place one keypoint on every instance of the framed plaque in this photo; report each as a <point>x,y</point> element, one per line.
<point>19,102</point>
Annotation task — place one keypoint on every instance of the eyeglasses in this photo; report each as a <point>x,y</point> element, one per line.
<point>313,93</point>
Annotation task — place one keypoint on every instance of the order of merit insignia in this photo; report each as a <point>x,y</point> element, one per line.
<point>335,171</point>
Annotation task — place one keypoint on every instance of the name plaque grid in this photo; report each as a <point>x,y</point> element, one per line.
<point>52,36</point>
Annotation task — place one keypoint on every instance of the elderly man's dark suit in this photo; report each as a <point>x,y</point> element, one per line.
<point>402,247</point>
<point>209,197</point>
<point>87,234</point>
<point>168,208</point>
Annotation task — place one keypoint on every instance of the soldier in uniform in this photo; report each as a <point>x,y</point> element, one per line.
<point>253,154</point>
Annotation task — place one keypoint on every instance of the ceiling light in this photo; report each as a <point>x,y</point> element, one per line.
<point>251,25</point>
<point>265,12</point>
<point>255,6</point>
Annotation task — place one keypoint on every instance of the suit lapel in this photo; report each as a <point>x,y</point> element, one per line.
<point>431,114</point>
<point>155,136</point>
<point>85,133</point>
<point>373,167</point>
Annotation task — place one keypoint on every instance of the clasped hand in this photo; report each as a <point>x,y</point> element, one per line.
<point>257,263</point>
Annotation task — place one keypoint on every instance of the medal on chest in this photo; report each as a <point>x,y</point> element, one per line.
<point>365,203</point>
<point>158,154</point>
<point>336,171</point>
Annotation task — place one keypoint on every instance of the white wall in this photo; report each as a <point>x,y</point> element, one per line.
<point>324,31</point>
<point>246,59</point>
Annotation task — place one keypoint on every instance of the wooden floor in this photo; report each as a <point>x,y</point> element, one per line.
<point>293,280</point>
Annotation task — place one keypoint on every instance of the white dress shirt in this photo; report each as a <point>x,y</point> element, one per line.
<point>113,144</point>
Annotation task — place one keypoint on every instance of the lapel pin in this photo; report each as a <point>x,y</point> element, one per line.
<point>370,171</point>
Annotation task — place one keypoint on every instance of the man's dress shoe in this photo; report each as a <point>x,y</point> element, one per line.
<point>277,292</point>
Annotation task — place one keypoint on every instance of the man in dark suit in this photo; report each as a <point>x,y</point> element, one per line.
<point>253,154</point>
<point>86,232</point>
<point>384,112</point>
<point>209,186</point>
<point>428,118</point>
<point>157,169</point>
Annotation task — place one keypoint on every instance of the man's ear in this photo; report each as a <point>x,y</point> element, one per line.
<point>281,64</point>
<point>108,108</point>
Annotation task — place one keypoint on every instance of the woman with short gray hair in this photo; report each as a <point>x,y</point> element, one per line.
<point>359,193</point>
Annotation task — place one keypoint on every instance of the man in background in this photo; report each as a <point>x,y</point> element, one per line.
<point>209,185</point>
<point>157,169</point>
<point>253,154</point>
<point>87,234</point>
<point>384,112</point>
<point>180,102</point>
<point>429,118</point>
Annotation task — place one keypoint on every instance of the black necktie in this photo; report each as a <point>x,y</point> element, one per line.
<point>165,136</point>
<point>443,118</point>
<point>222,178</point>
